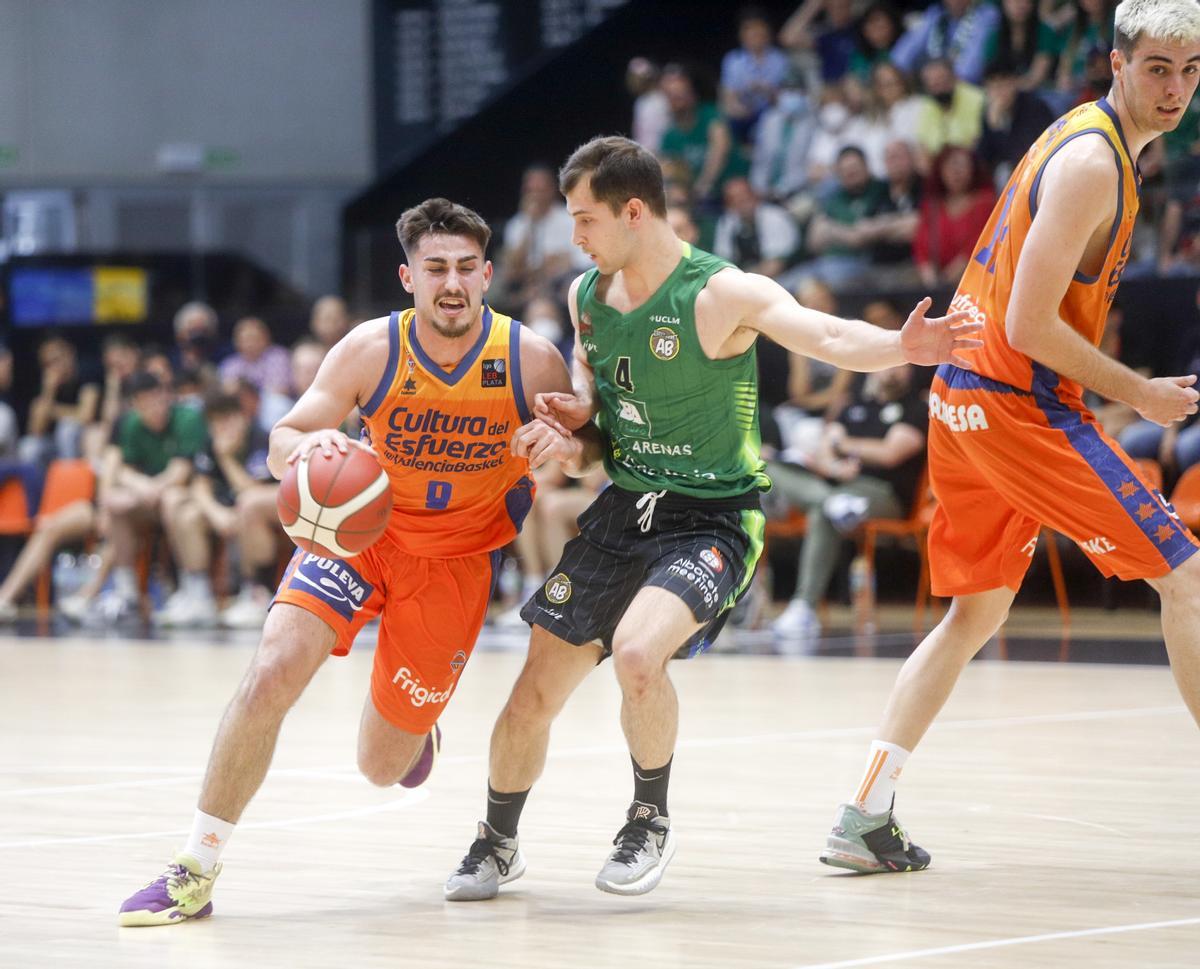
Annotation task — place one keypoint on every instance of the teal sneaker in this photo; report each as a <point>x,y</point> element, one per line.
<point>180,893</point>
<point>871,843</point>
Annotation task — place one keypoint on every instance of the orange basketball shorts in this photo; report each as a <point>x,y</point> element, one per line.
<point>431,611</point>
<point>1004,461</point>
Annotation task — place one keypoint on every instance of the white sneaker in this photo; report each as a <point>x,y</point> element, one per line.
<point>8,612</point>
<point>247,611</point>
<point>797,620</point>
<point>186,608</point>
<point>110,609</point>
<point>73,607</point>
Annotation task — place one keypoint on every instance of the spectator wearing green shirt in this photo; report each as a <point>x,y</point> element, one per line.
<point>1024,43</point>
<point>698,137</point>
<point>842,234</point>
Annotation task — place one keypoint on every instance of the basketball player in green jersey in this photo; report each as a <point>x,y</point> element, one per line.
<point>665,364</point>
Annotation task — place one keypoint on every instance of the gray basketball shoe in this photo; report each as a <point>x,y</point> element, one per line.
<point>645,846</point>
<point>491,861</point>
<point>871,843</point>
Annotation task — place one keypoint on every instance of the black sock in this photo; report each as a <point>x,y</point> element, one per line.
<point>504,811</point>
<point>650,786</point>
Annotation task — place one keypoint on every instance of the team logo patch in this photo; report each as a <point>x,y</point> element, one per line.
<point>585,324</point>
<point>712,558</point>
<point>494,373</point>
<point>333,582</point>
<point>558,589</point>
<point>459,661</point>
<point>664,343</point>
<point>408,388</point>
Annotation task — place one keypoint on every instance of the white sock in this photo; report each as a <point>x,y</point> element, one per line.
<point>208,839</point>
<point>884,764</point>
<point>196,584</point>
<point>125,582</point>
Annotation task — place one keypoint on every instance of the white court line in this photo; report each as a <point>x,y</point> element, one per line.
<point>999,943</point>
<point>408,800</point>
<point>339,771</point>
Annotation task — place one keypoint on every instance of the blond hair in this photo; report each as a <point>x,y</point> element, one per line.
<point>1170,20</point>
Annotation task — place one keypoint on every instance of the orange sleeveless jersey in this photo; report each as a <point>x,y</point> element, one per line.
<point>443,439</point>
<point>987,281</point>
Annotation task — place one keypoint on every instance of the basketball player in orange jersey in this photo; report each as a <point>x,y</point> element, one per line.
<point>442,388</point>
<point>1011,445</point>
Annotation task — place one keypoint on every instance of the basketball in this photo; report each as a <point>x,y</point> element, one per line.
<point>335,506</point>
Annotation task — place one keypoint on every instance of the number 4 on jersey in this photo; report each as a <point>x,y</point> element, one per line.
<point>622,378</point>
<point>986,256</point>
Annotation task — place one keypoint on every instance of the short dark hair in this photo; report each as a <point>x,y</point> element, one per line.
<point>443,217</point>
<point>220,403</point>
<point>139,382</point>
<point>620,170</point>
<point>852,150</point>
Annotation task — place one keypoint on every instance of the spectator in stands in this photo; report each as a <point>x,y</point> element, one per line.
<point>878,30</point>
<point>537,254</point>
<point>1090,32</point>
<point>867,464</point>
<point>307,355</point>
<point>1179,235</point>
<point>651,113</point>
<point>951,110</point>
<point>843,122</point>
<point>8,417</point>
<point>544,316</point>
<point>157,361</point>
<point>142,484</point>
<point>120,357</point>
<point>698,136</point>
<point>190,389</point>
<point>234,492</point>
<point>955,209</point>
<point>957,31</point>
<point>329,320</point>
<point>839,234</point>
<point>64,406</point>
<point>756,236</point>
<point>1023,43</point>
<point>265,364</point>
<point>834,40</point>
<point>1012,121</point>
<point>751,74</point>
<point>679,218</point>
<point>899,107</point>
<point>197,340</point>
<point>894,228</point>
<point>780,165</point>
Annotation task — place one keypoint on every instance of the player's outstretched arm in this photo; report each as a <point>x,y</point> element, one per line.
<point>571,410</point>
<point>347,377</point>
<point>761,304</point>
<point>1076,202</point>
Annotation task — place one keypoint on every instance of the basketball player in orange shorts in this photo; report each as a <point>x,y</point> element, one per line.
<point>1011,445</point>
<point>442,389</point>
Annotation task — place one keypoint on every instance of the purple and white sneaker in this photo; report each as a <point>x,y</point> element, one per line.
<point>419,772</point>
<point>180,893</point>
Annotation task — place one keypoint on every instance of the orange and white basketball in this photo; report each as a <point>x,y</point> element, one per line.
<point>335,506</point>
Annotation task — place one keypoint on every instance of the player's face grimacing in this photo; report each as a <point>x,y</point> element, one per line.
<point>602,234</point>
<point>1157,81</point>
<point>447,278</point>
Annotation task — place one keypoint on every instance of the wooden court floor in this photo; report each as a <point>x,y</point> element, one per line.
<point>1058,801</point>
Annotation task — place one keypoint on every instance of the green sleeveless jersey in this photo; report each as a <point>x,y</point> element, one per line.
<point>672,418</point>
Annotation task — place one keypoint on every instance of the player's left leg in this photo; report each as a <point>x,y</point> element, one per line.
<point>388,754</point>
<point>1179,590</point>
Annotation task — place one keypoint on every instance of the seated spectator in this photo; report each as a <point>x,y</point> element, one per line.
<point>537,254</point>
<point>755,236</point>
<point>307,355</point>
<point>779,168</point>
<point>893,230</point>
<point>878,29</point>
<point>951,110</point>
<point>1012,121</point>
<point>157,361</point>
<point>681,223</point>
<point>651,113</point>
<point>64,406</point>
<point>751,74</point>
<point>329,320</point>
<point>1023,43</point>
<point>1090,32</point>
<point>957,31</point>
<point>264,410</point>
<point>234,492</point>
<point>898,106</point>
<point>834,39</point>
<point>120,358</point>
<point>839,233</point>
<point>190,389</point>
<point>265,364</point>
<point>698,136</point>
<point>867,465</point>
<point>546,318</point>
<point>956,207</point>
<point>197,340</point>
<point>847,118</point>
<point>8,417</point>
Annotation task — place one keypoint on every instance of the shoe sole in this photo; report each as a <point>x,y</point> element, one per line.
<point>648,881</point>
<point>144,919</point>
<point>840,853</point>
<point>452,895</point>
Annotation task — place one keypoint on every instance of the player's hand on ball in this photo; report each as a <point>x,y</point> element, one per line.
<point>329,440</point>
<point>564,412</point>
<point>539,442</point>
<point>1166,400</point>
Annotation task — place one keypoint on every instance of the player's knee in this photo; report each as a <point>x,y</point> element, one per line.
<point>379,770</point>
<point>532,701</point>
<point>270,686</point>
<point>637,667</point>
<point>975,626</point>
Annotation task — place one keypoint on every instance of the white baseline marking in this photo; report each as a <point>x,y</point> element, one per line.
<point>1000,943</point>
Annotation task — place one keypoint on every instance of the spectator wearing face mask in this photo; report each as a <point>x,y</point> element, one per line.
<point>779,168</point>
<point>197,343</point>
<point>544,316</point>
<point>951,110</point>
